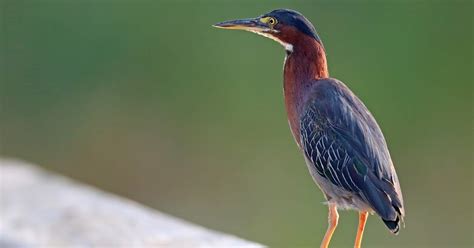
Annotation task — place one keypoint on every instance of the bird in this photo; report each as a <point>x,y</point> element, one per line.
<point>342,144</point>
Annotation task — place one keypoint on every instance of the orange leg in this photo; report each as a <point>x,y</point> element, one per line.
<point>333,217</point>
<point>360,231</point>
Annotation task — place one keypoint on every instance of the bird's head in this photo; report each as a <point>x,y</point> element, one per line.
<point>285,26</point>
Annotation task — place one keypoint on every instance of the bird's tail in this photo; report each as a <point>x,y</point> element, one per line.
<point>386,202</point>
<point>393,225</point>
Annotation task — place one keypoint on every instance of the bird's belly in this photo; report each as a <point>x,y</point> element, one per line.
<point>335,194</point>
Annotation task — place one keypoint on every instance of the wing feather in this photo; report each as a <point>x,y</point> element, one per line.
<point>346,146</point>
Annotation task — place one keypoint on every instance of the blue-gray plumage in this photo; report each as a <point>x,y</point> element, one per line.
<point>347,154</point>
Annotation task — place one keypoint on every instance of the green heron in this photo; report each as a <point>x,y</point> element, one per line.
<point>343,146</point>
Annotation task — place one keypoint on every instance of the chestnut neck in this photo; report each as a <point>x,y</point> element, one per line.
<point>306,62</point>
<point>303,65</point>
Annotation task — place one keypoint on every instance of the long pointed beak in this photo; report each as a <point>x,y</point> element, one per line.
<point>249,24</point>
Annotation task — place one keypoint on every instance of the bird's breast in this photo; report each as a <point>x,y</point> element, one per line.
<point>303,66</point>
<point>293,88</point>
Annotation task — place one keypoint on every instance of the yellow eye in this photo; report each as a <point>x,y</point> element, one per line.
<point>269,20</point>
<point>272,21</point>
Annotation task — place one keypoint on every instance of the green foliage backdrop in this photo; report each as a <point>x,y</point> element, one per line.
<point>147,100</point>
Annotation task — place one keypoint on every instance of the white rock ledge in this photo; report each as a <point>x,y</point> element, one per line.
<point>41,209</point>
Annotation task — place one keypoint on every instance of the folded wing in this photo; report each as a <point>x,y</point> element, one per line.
<point>346,146</point>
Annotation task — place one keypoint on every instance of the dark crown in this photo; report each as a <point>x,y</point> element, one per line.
<point>295,19</point>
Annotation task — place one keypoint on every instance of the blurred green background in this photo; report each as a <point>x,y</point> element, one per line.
<point>145,99</point>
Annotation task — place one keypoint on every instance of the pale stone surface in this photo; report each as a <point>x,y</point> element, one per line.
<point>41,209</point>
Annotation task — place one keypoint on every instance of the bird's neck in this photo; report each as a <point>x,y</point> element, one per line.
<point>305,64</point>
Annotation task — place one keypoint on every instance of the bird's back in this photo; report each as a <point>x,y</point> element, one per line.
<point>347,153</point>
